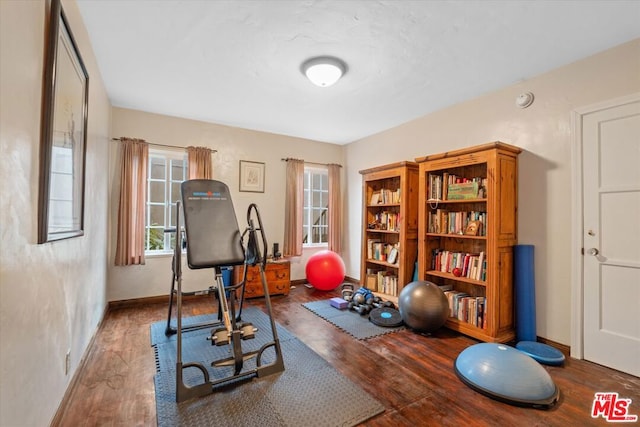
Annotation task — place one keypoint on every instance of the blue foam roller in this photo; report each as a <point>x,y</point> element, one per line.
<point>525,292</point>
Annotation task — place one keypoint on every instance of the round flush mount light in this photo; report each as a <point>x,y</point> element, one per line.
<point>323,71</point>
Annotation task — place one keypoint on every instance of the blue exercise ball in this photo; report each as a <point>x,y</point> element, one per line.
<point>423,306</point>
<point>506,374</point>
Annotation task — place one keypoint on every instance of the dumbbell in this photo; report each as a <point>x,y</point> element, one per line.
<point>347,291</point>
<point>364,309</point>
<point>381,304</point>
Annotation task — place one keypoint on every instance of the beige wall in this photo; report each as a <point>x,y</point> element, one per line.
<point>544,131</point>
<point>232,145</point>
<point>52,296</point>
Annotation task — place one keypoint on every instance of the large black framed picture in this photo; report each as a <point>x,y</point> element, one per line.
<point>63,133</point>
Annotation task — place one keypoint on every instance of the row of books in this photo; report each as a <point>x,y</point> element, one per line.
<point>467,308</point>
<point>381,251</point>
<point>382,281</point>
<point>470,265</point>
<point>385,196</point>
<point>386,220</point>
<point>443,221</point>
<point>453,187</point>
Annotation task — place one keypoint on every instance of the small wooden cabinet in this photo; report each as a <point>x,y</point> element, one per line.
<point>276,272</point>
<point>389,227</point>
<point>474,262</point>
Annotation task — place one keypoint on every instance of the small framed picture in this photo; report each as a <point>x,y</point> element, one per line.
<point>474,228</point>
<point>251,176</point>
<point>393,256</point>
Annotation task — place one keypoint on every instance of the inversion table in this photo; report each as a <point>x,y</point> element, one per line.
<point>213,240</point>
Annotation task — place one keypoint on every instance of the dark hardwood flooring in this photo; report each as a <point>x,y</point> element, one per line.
<point>410,374</point>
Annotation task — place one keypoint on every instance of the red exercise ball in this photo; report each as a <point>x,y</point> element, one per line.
<point>325,270</point>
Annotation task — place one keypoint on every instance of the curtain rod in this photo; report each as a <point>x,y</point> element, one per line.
<point>286,159</point>
<point>164,145</point>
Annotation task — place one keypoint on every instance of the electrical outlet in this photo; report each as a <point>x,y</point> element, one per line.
<point>67,362</point>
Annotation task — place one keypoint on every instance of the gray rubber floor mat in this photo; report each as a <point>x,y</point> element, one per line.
<point>350,322</point>
<point>309,391</point>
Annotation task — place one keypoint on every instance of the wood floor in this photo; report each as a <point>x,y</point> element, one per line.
<point>410,374</point>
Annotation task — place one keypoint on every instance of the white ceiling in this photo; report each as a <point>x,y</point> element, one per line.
<point>238,62</point>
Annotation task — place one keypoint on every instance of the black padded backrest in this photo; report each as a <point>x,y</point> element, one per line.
<point>213,237</point>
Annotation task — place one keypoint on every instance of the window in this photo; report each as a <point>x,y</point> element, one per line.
<point>64,210</point>
<point>167,170</point>
<point>316,197</point>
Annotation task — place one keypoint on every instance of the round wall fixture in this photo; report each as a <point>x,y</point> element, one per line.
<point>524,99</point>
<point>323,71</point>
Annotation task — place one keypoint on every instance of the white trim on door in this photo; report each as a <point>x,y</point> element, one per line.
<point>577,296</point>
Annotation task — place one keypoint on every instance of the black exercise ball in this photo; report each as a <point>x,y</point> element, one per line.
<point>423,306</point>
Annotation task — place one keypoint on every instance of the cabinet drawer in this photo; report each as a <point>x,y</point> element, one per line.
<point>275,273</point>
<point>277,276</point>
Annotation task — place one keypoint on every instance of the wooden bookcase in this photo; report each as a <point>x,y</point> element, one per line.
<point>486,312</point>
<point>389,227</point>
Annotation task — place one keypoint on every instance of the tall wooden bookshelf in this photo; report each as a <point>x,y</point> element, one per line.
<point>389,227</point>
<point>473,184</point>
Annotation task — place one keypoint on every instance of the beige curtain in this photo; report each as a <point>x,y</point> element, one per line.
<point>335,209</point>
<point>294,206</point>
<point>133,196</point>
<point>199,163</point>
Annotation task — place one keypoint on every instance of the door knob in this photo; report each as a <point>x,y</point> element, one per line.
<point>593,252</point>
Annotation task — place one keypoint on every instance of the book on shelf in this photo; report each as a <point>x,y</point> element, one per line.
<point>375,198</point>
<point>386,220</point>
<point>381,251</point>
<point>385,197</point>
<point>467,308</point>
<point>370,243</point>
<point>449,186</point>
<point>387,283</point>
<point>434,187</point>
<point>443,221</point>
<point>371,281</point>
<point>381,281</point>
<point>471,265</point>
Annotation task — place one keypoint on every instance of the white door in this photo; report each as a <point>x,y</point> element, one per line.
<point>611,236</point>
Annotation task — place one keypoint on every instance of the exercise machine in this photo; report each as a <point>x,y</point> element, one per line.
<point>213,240</point>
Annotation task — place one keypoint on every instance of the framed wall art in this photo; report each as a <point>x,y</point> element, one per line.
<point>251,176</point>
<point>63,136</point>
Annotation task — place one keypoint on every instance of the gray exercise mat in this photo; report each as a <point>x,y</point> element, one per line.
<point>309,391</point>
<point>350,322</point>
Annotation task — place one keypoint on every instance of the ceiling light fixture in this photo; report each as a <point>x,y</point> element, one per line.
<point>323,71</point>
